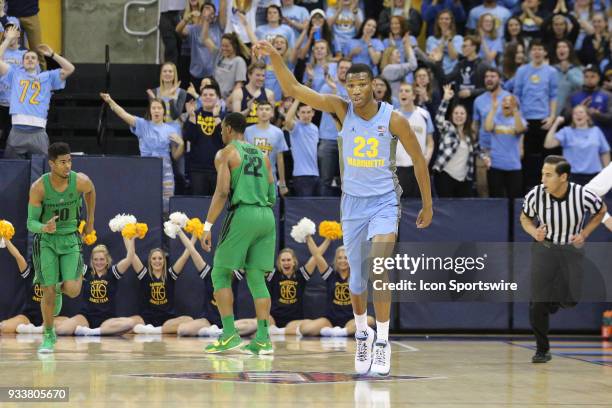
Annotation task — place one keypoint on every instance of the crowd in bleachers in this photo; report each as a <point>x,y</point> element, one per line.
<point>483,84</point>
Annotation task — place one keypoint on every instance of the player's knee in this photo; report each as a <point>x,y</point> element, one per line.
<point>358,286</point>
<point>257,284</point>
<point>221,278</point>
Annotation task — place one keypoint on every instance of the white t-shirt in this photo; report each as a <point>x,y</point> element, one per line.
<point>233,25</point>
<point>457,166</point>
<point>418,120</point>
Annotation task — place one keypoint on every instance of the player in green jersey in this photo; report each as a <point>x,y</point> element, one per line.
<point>248,236</point>
<point>53,216</point>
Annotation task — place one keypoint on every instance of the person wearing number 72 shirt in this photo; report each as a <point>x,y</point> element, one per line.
<point>30,97</point>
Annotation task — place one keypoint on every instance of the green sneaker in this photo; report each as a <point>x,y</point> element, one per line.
<point>48,344</point>
<point>258,347</point>
<point>58,300</point>
<point>224,343</point>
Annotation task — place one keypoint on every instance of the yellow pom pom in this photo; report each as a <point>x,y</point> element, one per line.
<point>129,231</point>
<point>90,239</point>
<point>6,230</point>
<point>141,229</point>
<point>330,229</point>
<point>195,227</point>
<point>82,226</point>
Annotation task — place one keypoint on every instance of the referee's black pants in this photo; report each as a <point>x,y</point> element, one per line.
<point>556,281</point>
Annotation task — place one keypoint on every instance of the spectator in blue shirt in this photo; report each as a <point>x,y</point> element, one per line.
<point>365,48</point>
<point>274,27</point>
<point>344,19</point>
<point>597,101</point>
<point>584,145</point>
<point>446,40</point>
<point>294,16</point>
<point>491,45</point>
<point>499,13</point>
<point>536,88</point>
<point>320,66</point>
<point>400,38</point>
<point>507,127</point>
<point>204,39</point>
<point>431,8</point>
<point>304,137</point>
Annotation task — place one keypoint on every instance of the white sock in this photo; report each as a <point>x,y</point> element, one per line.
<point>94,332</point>
<point>327,332</point>
<point>140,329</point>
<point>154,330</point>
<point>298,333</point>
<point>24,328</point>
<point>339,332</point>
<point>81,331</point>
<point>361,321</point>
<point>276,330</point>
<point>36,329</point>
<point>382,330</point>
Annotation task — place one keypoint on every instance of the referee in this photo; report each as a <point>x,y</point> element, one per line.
<point>559,209</point>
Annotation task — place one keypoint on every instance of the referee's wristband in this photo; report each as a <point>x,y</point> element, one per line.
<point>207,226</point>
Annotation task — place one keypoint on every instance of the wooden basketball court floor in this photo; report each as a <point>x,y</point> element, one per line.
<point>155,371</point>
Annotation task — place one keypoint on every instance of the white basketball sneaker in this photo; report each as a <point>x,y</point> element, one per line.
<point>381,360</point>
<point>363,350</point>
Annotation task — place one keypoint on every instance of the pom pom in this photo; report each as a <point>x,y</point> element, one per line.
<point>330,229</point>
<point>82,226</point>
<point>6,229</point>
<point>120,221</point>
<point>129,231</point>
<point>90,239</point>
<point>2,243</point>
<point>195,227</point>
<point>171,229</point>
<point>141,229</point>
<point>302,229</point>
<point>179,218</point>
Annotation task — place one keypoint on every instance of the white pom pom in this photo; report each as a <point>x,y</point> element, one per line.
<point>120,221</point>
<point>171,229</point>
<point>179,218</point>
<point>302,229</point>
<point>2,243</point>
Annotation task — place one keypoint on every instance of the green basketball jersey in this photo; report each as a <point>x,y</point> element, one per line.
<point>250,180</point>
<point>66,205</point>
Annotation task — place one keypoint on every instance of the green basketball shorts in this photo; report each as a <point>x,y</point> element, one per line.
<point>57,258</point>
<point>247,240</point>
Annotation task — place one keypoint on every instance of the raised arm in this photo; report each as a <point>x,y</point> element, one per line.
<point>86,186</point>
<point>9,35</point>
<point>317,259</point>
<point>114,106</point>
<point>290,116</point>
<point>489,124</point>
<point>197,259</point>
<point>204,34</point>
<point>66,66</point>
<point>400,127</point>
<point>551,141</point>
<point>291,86</point>
<point>128,261</point>
<point>21,262</point>
<point>137,264</point>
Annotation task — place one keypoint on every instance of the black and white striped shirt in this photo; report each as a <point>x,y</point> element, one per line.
<point>563,216</point>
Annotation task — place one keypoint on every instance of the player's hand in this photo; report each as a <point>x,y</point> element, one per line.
<point>424,217</point>
<point>540,233</point>
<point>50,226</point>
<point>89,228</point>
<point>106,97</point>
<point>206,241</point>
<point>45,50</point>
<point>577,240</point>
<point>264,48</point>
